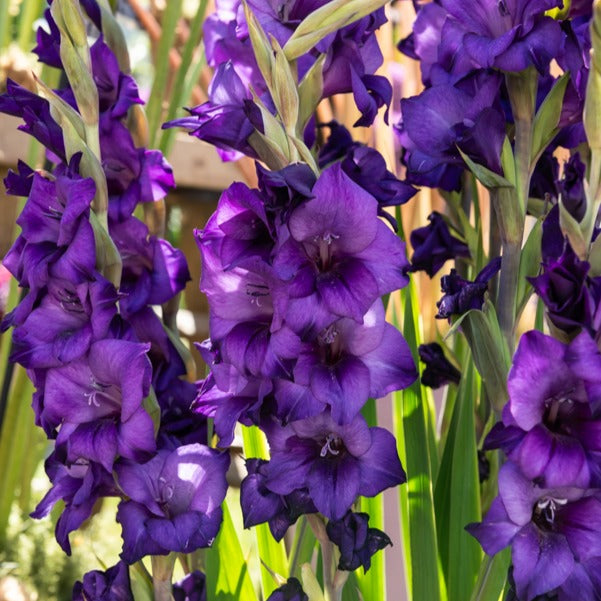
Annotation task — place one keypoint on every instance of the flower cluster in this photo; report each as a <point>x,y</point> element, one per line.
<point>461,52</point>
<point>111,387</point>
<point>299,341</point>
<point>294,272</point>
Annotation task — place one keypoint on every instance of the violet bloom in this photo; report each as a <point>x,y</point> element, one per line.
<point>433,246</point>
<point>570,296</point>
<point>153,271</point>
<point>260,505</point>
<point>356,541</point>
<point>112,585</point>
<point>553,533</point>
<point>447,117</point>
<point>66,322</point>
<point>551,421</point>
<point>79,485</point>
<point>509,35</point>
<point>345,365</point>
<point>333,259</point>
<point>366,167</point>
<point>439,370</point>
<point>174,501</point>
<point>335,463</point>
<point>462,295</point>
<point>191,588</point>
<point>291,591</point>
<point>98,400</point>
<point>224,119</point>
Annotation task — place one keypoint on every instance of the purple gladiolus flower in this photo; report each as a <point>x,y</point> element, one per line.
<point>79,485</point>
<point>366,167</point>
<point>350,362</point>
<point>570,295</point>
<point>552,532</point>
<point>191,588</point>
<point>335,463</point>
<point>447,117</point>
<point>66,322</point>
<point>98,400</point>
<point>356,541</point>
<point>260,505</point>
<point>112,585</point>
<point>332,260</point>
<point>224,119</point>
<point>461,295</point>
<point>551,422</point>
<point>291,591</point>
<point>439,370</point>
<point>174,501</point>
<point>433,245</point>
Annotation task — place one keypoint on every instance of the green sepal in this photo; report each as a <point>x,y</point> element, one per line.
<point>594,257</point>
<point>328,18</point>
<point>284,88</point>
<point>108,259</point>
<point>574,229</point>
<point>310,584</point>
<point>508,161</point>
<point>547,118</point>
<point>261,46</point>
<point>310,91</point>
<point>151,406</point>
<point>485,176</point>
<point>530,260</point>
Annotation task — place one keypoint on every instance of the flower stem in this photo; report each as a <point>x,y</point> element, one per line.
<point>331,593</point>
<point>162,571</point>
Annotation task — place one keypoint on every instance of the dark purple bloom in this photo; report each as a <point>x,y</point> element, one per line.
<point>153,271</point>
<point>332,260</point>
<point>260,505</point>
<point>224,119</point>
<point>356,541</point>
<point>433,245</point>
<point>97,401</point>
<point>552,533</point>
<point>508,34</point>
<point>174,501</point>
<point>291,591</point>
<point>335,463</point>
<point>79,485</point>
<point>348,363</point>
<point>366,167</point>
<point>439,370</point>
<point>66,322</point>
<point>112,585</point>
<point>571,297</point>
<point>191,588</point>
<point>447,117</point>
<point>462,295</point>
<point>551,423</point>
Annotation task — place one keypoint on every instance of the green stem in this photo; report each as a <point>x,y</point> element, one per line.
<point>162,572</point>
<point>327,554</point>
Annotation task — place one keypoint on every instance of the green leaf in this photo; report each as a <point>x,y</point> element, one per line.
<point>547,117</point>
<point>226,569</point>
<point>594,257</point>
<point>488,178</point>
<point>529,264</point>
<point>489,350</point>
<point>271,553</point>
<point>492,577</point>
<point>457,494</point>
<point>303,547</point>
<point>412,426</point>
